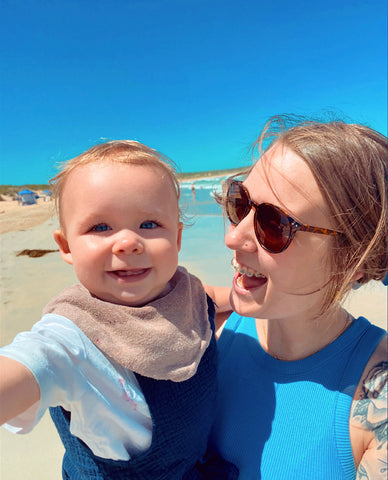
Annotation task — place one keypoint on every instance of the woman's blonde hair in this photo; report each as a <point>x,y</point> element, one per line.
<point>118,151</point>
<point>349,163</point>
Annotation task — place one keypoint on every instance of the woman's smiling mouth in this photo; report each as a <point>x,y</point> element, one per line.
<point>246,278</point>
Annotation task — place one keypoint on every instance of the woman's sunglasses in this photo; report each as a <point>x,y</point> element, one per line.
<point>274,228</point>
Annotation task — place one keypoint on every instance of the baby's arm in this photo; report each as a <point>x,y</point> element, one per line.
<point>220,296</point>
<point>18,389</point>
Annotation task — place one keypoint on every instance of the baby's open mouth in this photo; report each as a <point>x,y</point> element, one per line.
<point>127,274</point>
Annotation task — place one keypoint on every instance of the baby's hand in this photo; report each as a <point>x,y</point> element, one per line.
<point>18,389</point>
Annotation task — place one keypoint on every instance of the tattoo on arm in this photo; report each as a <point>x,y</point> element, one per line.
<point>370,411</point>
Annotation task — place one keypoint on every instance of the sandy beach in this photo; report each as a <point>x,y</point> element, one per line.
<point>14,218</point>
<point>27,283</point>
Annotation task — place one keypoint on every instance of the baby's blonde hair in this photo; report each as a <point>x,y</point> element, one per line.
<point>124,152</point>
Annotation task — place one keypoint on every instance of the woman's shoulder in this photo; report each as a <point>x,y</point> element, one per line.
<point>372,386</point>
<point>368,415</point>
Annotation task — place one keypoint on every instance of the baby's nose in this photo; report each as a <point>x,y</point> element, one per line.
<point>128,242</point>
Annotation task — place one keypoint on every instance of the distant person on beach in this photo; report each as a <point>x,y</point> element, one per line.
<point>126,359</point>
<point>193,190</point>
<point>303,384</point>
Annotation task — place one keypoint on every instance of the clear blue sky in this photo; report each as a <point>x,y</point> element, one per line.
<point>195,79</point>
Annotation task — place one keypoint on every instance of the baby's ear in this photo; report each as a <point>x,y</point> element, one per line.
<point>179,237</point>
<point>63,245</point>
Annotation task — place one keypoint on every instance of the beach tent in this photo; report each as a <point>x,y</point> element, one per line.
<point>26,197</point>
<point>47,195</point>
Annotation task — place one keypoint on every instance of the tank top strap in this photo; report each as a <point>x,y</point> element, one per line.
<point>367,337</point>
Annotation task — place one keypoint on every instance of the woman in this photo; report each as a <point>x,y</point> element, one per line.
<point>303,384</point>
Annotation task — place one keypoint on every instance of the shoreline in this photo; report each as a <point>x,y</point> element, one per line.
<point>198,176</point>
<point>7,189</point>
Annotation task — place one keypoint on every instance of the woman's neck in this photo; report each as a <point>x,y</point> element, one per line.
<point>291,340</point>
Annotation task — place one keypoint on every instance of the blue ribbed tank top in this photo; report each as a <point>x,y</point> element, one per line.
<point>288,420</point>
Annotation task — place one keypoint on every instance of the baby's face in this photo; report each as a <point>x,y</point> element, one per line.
<point>122,231</point>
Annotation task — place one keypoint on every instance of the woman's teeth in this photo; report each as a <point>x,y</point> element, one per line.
<point>244,271</point>
<point>247,279</point>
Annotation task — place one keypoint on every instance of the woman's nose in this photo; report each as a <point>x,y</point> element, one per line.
<point>242,236</point>
<point>128,242</point>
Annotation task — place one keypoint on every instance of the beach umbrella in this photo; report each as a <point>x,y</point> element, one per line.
<point>25,191</point>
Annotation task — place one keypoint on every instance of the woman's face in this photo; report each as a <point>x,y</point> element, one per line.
<point>290,284</point>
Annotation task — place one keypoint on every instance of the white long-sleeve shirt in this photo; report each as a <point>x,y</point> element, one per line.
<point>108,409</point>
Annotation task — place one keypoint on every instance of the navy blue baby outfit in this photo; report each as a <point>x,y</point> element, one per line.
<point>182,415</point>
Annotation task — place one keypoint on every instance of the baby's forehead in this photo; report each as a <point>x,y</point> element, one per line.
<point>102,182</point>
<point>86,170</point>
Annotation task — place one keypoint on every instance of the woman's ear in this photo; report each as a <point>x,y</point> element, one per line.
<point>358,274</point>
<point>355,279</point>
<point>63,245</point>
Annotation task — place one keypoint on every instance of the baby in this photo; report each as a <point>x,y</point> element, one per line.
<point>126,359</point>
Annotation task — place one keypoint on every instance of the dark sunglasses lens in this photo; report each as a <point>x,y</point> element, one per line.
<point>273,228</point>
<point>237,203</point>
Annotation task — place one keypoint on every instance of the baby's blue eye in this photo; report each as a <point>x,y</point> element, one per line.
<point>149,224</point>
<point>101,227</point>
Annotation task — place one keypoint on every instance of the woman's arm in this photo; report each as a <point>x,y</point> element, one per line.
<point>19,389</point>
<point>220,296</point>
<point>368,418</point>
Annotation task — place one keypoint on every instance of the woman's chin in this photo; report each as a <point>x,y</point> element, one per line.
<point>245,304</point>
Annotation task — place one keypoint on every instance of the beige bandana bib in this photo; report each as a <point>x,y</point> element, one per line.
<point>164,340</point>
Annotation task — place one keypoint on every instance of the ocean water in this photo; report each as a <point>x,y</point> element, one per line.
<point>203,249</point>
